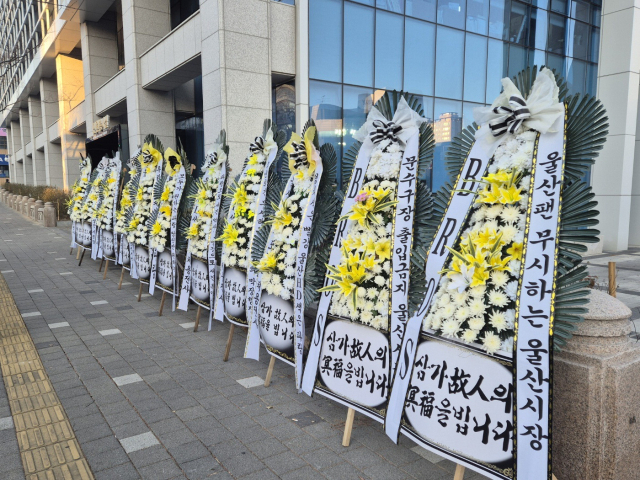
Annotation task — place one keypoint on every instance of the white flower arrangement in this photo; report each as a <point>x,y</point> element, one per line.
<point>161,227</point>
<point>78,191</point>
<point>362,277</point>
<point>278,264</point>
<point>128,196</point>
<point>104,214</point>
<point>137,230</point>
<point>199,232</point>
<point>238,227</point>
<point>475,302</point>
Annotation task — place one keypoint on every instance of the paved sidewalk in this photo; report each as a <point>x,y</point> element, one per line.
<point>148,398</point>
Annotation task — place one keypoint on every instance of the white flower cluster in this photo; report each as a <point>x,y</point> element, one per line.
<point>77,193</point>
<point>161,228</point>
<point>104,215</point>
<point>137,229</point>
<point>92,201</point>
<point>475,301</point>
<point>242,215</point>
<point>199,232</point>
<point>363,274</point>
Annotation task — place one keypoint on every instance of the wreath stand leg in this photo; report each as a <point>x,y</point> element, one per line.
<point>164,294</point>
<point>121,277</point>
<point>78,253</point>
<point>71,251</point>
<point>459,473</point>
<point>101,263</point>
<point>197,324</point>
<point>348,426</point>
<point>82,256</point>
<point>140,292</point>
<point>226,352</point>
<point>106,266</point>
<point>272,362</point>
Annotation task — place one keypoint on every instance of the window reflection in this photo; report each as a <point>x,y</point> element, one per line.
<point>449,55</point>
<point>447,124</point>
<point>358,44</point>
<point>357,103</point>
<point>579,38</point>
<point>576,75</point>
<point>475,65</point>
<point>325,40</point>
<point>517,59</point>
<point>451,13</point>
<point>391,5</point>
<point>496,67</point>
<point>595,45</point>
<point>519,24</point>
<point>325,107</point>
<point>419,56</point>
<point>478,16</point>
<point>389,50</point>
<point>557,33</point>
<point>424,9</point>
<point>538,29</point>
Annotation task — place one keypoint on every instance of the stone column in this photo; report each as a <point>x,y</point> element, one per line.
<point>69,74</point>
<point>302,63</point>
<point>212,59</point>
<point>145,23</point>
<point>35,127</point>
<point>25,138</point>
<point>99,60</point>
<point>50,113</point>
<point>618,84</point>
<point>596,434</point>
<point>11,152</point>
<point>16,143</point>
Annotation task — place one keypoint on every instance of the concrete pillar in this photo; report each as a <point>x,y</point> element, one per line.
<point>618,85</point>
<point>99,60</point>
<point>302,63</point>
<point>16,142</point>
<point>35,127</point>
<point>243,80</point>
<point>69,74</point>
<point>50,113</point>
<point>145,23</point>
<point>11,152</point>
<point>25,138</point>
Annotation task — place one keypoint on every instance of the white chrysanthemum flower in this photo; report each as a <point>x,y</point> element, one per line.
<point>494,211</point>
<point>510,318</point>
<point>499,278</point>
<point>477,307</point>
<point>478,291</point>
<point>444,300</point>
<point>498,320</point>
<point>507,345</point>
<point>509,232</point>
<point>380,281</point>
<point>469,336</point>
<point>448,310</point>
<point>510,214</point>
<point>462,313</point>
<point>491,342</point>
<point>498,298</point>
<point>450,328</point>
<point>476,323</point>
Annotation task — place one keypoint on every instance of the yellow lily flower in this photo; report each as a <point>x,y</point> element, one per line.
<point>383,249</point>
<point>229,235</point>
<point>515,250</point>
<point>156,229</point>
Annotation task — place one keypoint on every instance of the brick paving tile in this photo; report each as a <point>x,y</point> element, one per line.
<point>124,373</point>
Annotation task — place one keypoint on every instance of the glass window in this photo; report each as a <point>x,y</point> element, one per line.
<point>596,16</point>
<point>496,68</point>
<point>389,50</point>
<point>392,5</point>
<point>181,10</point>
<point>592,80</point>
<point>325,107</point>
<point>478,16</point>
<point>424,9</point>
<point>538,30</point>
<point>358,44</point>
<point>325,39</point>
<point>559,6</point>
<point>557,33</point>
<point>543,4</point>
<point>475,64</point>
<point>447,124</point>
<point>467,112</point>
<point>580,11</point>
<point>355,107</point>
<point>556,62</point>
<point>576,75</point>
<point>594,50</point>
<point>419,56</point>
<point>519,24</point>
<point>579,36</point>
<point>451,13</point>
<point>283,101</point>
<point>449,66</point>
<point>366,2</point>
<point>537,57</point>
<point>498,19</point>
<point>189,123</point>
<point>517,59</point>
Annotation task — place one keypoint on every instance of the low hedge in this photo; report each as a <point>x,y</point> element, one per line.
<point>42,192</point>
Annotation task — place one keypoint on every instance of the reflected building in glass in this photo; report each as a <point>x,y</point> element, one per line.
<point>452,53</point>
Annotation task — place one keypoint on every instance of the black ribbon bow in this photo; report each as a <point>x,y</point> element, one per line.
<point>257,146</point>
<point>210,159</point>
<point>299,155</point>
<point>512,117</point>
<point>384,130</point>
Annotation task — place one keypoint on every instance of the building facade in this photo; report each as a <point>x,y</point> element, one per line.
<point>89,76</point>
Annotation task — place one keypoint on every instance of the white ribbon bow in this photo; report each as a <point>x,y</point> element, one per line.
<point>510,111</point>
<point>405,118</point>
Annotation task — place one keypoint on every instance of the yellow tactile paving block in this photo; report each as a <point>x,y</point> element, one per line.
<point>48,447</point>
